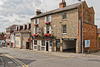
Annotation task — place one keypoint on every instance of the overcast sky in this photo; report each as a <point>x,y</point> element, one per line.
<point>20,11</point>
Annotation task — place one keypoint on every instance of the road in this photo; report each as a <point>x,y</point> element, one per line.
<point>46,59</point>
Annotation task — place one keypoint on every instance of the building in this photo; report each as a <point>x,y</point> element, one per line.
<point>22,36</point>
<point>98,33</point>
<point>65,29</point>
<point>9,32</point>
<point>2,39</point>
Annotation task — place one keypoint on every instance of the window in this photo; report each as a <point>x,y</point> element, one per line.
<point>64,29</point>
<point>48,18</point>
<point>36,21</point>
<point>64,16</point>
<point>43,43</point>
<point>7,44</point>
<point>35,42</point>
<point>35,30</point>
<point>47,29</point>
<point>17,42</point>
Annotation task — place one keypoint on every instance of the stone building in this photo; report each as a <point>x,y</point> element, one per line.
<point>65,29</point>
<point>10,31</point>
<point>22,36</point>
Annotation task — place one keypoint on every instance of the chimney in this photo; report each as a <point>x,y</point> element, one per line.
<point>62,4</point>
<point>38,12</point>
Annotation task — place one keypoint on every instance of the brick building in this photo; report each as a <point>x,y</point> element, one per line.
<point>22,36</point>
<point>9,31</point>
<point>65,29</point>
<point>2,39</point>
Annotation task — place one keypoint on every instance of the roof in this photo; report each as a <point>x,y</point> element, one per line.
<point>12,27</point>
<point>2,37</point>
<point>69,7</point>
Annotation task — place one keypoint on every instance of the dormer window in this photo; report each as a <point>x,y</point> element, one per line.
<point>64,16</point>
<point>36,21</point>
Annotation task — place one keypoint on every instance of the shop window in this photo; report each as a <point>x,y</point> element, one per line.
<point>35,42</point>
<point>35,47</point>
<point>43,48</point>
<point>64,29</point>
<point>43,43</point>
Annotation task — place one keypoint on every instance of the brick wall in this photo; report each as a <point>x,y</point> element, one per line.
<point>88,13</point>
<point>90,33</point>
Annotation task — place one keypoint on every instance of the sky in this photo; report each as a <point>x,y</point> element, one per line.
<point>20,11</point>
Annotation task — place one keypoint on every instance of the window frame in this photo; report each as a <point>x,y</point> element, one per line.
<point>35,44</point>
<point>64,16</point>
<point>63,31</point>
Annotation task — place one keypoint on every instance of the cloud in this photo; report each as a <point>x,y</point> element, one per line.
<point>20,11</point>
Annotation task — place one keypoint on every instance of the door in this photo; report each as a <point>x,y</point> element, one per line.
<point>58,45</point>
<point>27,45</point>
<point>47,45</point>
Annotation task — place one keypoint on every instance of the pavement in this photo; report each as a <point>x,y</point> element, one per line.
<point>32,58</point>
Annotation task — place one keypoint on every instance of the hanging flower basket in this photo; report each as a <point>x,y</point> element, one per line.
<point>47,23</point>
<point>48,35</point>
<point>35,24</point>
<point>36,35</point>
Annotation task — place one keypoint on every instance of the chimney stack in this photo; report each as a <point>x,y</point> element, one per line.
<point>38,12</point>
<point>62,4</point>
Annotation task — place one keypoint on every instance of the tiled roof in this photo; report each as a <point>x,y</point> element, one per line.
<point>69,7</point>
<point>12,27</point>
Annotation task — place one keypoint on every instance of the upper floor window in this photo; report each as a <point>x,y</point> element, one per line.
<point>64,16</point>
<point>64,29</point>
<point>48,29</point>
<point>48,18</point>
<point>36,21</point>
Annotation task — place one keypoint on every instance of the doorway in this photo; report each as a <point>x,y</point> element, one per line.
<point>47,45</point>
<point>69,46</point>
<point>58,45</point>
<point>27,45</point>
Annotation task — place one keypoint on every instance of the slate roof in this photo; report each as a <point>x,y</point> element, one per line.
<point>69,7</point>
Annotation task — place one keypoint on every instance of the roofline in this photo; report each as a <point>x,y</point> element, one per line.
<point>55,12</point>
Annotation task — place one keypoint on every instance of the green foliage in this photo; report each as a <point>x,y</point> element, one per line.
<point>99,38</point>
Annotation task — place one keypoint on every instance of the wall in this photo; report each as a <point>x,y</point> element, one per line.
<point>56,24</point>
<point>88,13</point>
<point>90,33</point>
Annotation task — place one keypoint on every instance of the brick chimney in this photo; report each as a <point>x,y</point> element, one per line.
<point>62,4</point>
<point>38,12</point>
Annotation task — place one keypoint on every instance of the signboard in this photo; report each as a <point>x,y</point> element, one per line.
<point>87,43</point>
<point>69,39</point>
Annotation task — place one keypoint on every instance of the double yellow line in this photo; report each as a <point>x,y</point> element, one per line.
<point>20,62</point>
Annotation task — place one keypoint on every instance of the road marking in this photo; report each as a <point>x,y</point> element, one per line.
<point>20,62</point>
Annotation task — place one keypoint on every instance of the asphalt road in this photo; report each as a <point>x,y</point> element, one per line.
<point>8,62</point>
<point>41,59</point>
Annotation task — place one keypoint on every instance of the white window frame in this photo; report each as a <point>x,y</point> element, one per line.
<point>36,21</point>
<point>63,29</point>
<point>48,18</point>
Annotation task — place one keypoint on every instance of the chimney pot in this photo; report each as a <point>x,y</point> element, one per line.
<point>38,12</point>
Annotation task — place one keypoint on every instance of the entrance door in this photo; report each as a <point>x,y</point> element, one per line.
<point>47,45</point>
<point>58,45</point>
<point>27,45</point>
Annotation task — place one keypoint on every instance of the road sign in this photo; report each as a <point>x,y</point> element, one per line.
<point>87,43</point>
